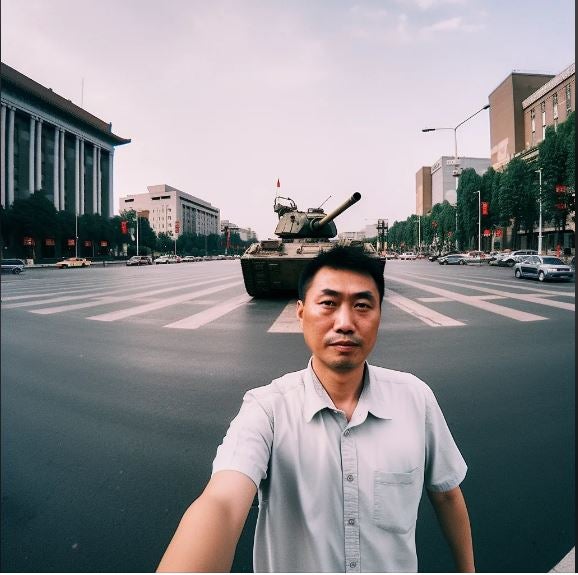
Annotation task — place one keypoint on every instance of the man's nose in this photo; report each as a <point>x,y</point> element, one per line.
<point>344,320</point>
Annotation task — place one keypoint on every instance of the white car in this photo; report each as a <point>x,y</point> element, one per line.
<point>408,256</point>
<point>167,260</point>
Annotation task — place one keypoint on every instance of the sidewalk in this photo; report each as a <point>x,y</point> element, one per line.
<point>567,565</point>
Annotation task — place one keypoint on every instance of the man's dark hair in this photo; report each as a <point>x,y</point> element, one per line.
<point>348,258</point>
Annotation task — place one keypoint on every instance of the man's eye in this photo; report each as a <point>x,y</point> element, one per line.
<point>327,303</point>
<point>362,305</point>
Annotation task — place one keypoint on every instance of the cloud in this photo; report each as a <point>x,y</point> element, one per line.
<point>451,24</point>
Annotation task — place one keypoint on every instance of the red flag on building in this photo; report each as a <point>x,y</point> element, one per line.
<point>278,183</point>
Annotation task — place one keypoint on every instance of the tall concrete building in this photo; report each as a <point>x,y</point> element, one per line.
<point>436,183</point>
<point>550,105</point>
<point>173,212</point>
<point>507,115</point>
<point>50,144</point>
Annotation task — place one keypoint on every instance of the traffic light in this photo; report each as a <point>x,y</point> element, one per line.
<point>124,227</point>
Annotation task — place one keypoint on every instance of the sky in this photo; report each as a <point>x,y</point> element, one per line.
<point>222,98</point>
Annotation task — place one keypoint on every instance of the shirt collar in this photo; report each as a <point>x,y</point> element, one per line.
<point>370,401</point>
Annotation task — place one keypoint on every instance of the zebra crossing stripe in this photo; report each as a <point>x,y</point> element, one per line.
<point>207,316</point>
<point>286,321</point>
<point>421,312</point>
<point>476,301</point>
<point>139,309</point>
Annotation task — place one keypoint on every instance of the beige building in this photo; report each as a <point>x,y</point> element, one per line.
<point>173,212</point>
<point>550,105</point>
<point>507,115</point>
<point>436,184</point>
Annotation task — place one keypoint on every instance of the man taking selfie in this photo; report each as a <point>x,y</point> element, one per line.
<point>338,452</point>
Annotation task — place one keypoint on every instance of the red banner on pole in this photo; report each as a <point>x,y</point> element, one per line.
<point>49,242</point>
<point>69,242</point>
<point>485,206</point>
<point>28,241</point>
<point>87,243</point>
<point>498,233</point>
<point>487,233</point>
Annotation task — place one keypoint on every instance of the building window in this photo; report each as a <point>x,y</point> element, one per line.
<point>543,112</point>
<point>568,98</point>
<point>533,125</point>
<point>555,105</point>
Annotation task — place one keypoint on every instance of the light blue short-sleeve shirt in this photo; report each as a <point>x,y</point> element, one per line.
<point>339,496</point>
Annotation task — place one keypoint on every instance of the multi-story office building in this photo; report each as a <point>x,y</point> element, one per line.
<point>173,212</point>
<point>507,136</point>
<point>245,234</point>
<point>50,144</point>
<point>437,183</point>
<point>550,105</point>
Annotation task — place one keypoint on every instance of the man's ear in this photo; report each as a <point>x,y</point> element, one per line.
<point>299,311</point>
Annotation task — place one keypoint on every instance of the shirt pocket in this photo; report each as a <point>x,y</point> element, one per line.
<point>396,497</point>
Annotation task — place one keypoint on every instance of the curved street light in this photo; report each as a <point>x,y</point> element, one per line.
<point>456,171</point>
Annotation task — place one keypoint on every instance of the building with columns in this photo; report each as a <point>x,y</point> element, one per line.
<point>50,144</point>
<point>172,212</point>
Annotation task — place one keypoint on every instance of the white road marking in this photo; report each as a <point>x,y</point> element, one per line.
<point>421,312</point>
<point>286,321</point>
<point>207,316</point>
<point>103,300</point>
<point>475,301</point>
<point>128,312</point>
<point>445,299</point>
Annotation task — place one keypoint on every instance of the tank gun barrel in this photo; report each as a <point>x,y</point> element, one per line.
<point>332,215</point>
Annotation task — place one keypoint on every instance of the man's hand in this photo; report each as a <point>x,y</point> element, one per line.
<point>207,536</point>
<point>452,515</point>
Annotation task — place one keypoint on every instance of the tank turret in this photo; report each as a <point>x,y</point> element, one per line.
<point>314,223</point>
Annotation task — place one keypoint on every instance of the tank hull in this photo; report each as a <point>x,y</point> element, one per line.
<point>272,268</point>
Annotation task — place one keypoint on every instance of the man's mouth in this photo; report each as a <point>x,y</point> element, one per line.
<point>344,343</point>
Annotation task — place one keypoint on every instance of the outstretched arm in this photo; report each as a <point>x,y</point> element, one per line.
<point>452,515</point>
<point>207,536</point>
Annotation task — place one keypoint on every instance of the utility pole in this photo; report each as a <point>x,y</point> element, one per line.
<point>539,170</point>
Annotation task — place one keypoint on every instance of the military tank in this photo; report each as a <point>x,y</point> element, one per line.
<point>272,267</point>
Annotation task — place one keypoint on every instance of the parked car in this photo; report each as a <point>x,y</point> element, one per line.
<point>543,268</point>
<point>13,266</point>
<point>474,257</point>
<point>493,257</point>
<point>451,259</point>
<point>73,263</point>
<point>190,259</point>
<point>140,261</point>
<point>513,258</point>
<point>408,256</point>
<point>433,257</point>
<point>168,259</point>
<point>390,256</point>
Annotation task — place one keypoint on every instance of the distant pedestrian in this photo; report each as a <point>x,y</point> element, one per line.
<point>339,452</point>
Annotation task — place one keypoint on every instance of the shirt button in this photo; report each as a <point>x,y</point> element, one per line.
<point>346,432</point>
<point>350,477</point>
<point>353,564</point>
<point>351,521</point>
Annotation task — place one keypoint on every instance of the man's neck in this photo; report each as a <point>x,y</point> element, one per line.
<point>344,388</point>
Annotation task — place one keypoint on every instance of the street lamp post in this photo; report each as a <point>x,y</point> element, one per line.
<point>456,172</point>
<point>76,233</point>
<point>539,170</point>
<point>479,220</point>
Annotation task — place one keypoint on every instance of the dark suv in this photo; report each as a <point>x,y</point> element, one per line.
<point>14,266</point>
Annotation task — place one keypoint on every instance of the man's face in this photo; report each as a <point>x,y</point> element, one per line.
<point>340,318</point>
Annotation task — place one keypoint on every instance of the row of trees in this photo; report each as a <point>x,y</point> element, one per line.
<point>511,199</point>
<point>32,228</point>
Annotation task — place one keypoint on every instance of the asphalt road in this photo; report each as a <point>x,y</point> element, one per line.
<point>113,406</point>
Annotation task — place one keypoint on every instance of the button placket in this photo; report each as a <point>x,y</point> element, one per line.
<point>350,501</point>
